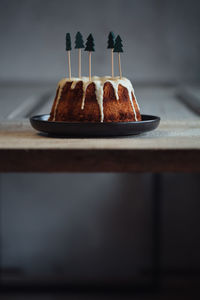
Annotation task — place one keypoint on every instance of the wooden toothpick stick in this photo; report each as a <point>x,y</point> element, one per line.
<point>89,65</point>
<point>90,47</point>
<point>79,62</point>
<point>111,45</point>
<point>118,48</point>
<point>112,62</point>
<point>68,48</point>
<point>79,44</point>
<point>120,69</point>
<point>69,64</point>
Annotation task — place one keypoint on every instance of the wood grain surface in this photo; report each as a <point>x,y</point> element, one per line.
<point>173,147</point>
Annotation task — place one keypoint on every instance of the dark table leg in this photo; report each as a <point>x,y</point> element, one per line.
<point>1,248</point>
<point>157,229</point>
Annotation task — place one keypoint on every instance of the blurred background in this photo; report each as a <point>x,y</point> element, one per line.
<point>160,38</point>
<point>98,227</point>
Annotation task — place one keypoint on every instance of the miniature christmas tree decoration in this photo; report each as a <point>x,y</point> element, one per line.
<point>79,41</point>
<point>111,44</point>
<point>79,44</point>
<point>90,48</point>
<point>111,40</point>
<point>68,49</point>
<point>68,42</point>
<point>118,48</point>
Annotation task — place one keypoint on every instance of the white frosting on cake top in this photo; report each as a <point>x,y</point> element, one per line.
<point>99,84</point>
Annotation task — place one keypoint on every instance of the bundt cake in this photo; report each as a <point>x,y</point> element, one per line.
<point>101,99</point>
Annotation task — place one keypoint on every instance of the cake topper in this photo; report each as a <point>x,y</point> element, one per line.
<point>68,49</point>
<point>118,48</point>
<point>111,45</point>
<point>79,44</point>
<point>90,48</point>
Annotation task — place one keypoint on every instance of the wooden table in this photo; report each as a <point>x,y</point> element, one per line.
<point>173,147</point>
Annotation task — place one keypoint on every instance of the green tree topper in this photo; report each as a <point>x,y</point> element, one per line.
<point>68,42</point>
<point>118,45</point>
<point>79,41</point>
<point>90,44</point>
<point>111,40</point>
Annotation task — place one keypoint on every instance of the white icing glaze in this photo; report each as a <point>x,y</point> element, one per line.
<point>99,84</point>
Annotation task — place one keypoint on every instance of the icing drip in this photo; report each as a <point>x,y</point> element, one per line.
<point>85,85</point>
<point>126,83</point>
<point>99,84</point>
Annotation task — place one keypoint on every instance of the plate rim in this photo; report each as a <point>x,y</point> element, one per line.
<point>153,119</point>
<point>93,129</point>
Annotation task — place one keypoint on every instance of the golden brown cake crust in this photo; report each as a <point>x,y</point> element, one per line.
<point>67,106</point>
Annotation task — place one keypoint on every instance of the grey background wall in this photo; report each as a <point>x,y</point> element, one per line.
<point>96,226</point>
<point>161,37</point>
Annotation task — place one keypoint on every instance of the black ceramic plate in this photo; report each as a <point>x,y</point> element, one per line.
<point>67,129</point>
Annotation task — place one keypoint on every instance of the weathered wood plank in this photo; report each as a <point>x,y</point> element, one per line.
<point>190,96</point>
<point>21,99</point>
<point>169,135</point>
<point>35,160</point>
<point>174,147</point>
